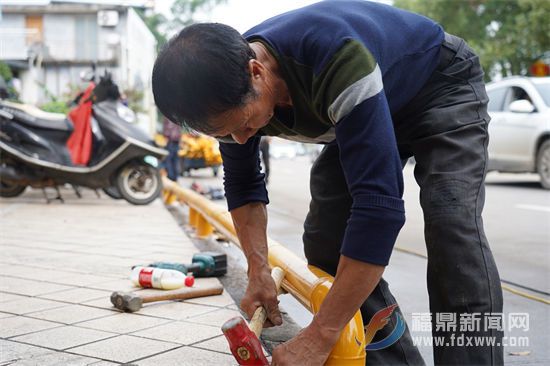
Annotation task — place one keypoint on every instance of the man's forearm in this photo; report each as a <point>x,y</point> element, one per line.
<point>250,223</point>
<point>354,282</point>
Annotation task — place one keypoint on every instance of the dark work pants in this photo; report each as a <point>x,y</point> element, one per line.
<point>445,128</point>
<point>172,161</point>
<point>264,150</point>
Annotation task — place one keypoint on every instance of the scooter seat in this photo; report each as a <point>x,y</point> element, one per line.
<point>36,118</point>
<point>49,124</point>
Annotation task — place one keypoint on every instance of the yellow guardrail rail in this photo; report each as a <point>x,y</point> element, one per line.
<point>308,284</point>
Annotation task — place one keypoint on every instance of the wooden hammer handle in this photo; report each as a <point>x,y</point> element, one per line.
<point>260,315</point>
<point>182,293</point>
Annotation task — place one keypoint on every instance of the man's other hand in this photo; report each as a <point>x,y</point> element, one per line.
<point>311,347</point>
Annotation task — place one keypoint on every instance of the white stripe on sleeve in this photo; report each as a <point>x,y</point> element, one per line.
<point>355,94</point>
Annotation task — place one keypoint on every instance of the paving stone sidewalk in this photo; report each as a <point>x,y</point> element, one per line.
<point>61,261</point>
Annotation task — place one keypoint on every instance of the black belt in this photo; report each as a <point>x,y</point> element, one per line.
<point>450,48</point>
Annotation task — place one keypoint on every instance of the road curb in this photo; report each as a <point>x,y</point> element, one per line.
<point>235,281</point>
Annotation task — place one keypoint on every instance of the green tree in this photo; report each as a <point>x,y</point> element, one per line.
<point>5,72</point>
<point>509,35</point>
<point>184,11</point>
<point>7,76</point>
<point>183,14</point>
<point>155,23</point>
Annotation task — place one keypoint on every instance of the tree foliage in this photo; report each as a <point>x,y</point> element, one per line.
<point>5,71</point>
<point>184,13</point>
<point>155,22</point>
<point>509,35</point>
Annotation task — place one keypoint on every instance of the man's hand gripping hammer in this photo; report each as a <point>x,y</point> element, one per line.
<point>244,339</point>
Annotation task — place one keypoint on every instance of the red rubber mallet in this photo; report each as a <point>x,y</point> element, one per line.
<point>243,338</point>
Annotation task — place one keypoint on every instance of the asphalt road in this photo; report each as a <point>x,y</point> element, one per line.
<point>516,217</point>
<point>517,224</point>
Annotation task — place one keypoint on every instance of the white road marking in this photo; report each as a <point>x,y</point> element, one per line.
<point>534,208</point>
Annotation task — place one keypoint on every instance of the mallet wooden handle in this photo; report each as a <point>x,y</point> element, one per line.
<point>182,293</point>
<point>260,315</point>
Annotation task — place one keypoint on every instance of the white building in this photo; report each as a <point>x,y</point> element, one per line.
<point>48,43</point>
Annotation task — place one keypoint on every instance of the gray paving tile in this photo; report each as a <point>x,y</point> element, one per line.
<point>124,348</point>
<point>83,280</point>
<point>77,295</point>
<point>34,257</point>
<point>103,302</point>
<point>182,255</point>
<point>189,356</point>
<point>18,325</point>
<point>96,257</point>
<point>29,305</point>
<point>9,297</point>
<point>114,251</point>
<point>94,261</point>
<point>48,262</point>
<point>13,351</point>
<point>215,318</point>
<point>71,314</point>
<point>178,249</point>
<point>180,332</point>
<point>218,344</point>
<point>207,281</point>
<point>63,337</point>
<point>115,285</point>
<point>222,300</point>
<point>175,309</point>
<point>32,273</point>
<point>123,323</point>
<point>56,359</point>
<point>28,287</point>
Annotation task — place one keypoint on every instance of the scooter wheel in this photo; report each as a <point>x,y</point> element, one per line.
<point>9,190</point>
<point>112,192</point>
<point>139,183</point>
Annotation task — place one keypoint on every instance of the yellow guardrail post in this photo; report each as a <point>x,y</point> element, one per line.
<point>204,229</point>
<point>309,285</point>
<point>193,217</point>
<point>343,353</point>
<point>169,197</point>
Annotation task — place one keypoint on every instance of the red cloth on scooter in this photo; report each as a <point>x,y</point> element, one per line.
<point>80,141</point>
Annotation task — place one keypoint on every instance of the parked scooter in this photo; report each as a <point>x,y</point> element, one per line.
<point>37,148</point>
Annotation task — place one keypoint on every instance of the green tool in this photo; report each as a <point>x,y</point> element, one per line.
<point>205,264</point>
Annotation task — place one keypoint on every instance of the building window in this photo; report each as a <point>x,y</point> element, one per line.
<point>34,29</point>
<point>86,37</point>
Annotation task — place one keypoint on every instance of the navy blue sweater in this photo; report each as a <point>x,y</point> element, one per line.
<point>349,65</point>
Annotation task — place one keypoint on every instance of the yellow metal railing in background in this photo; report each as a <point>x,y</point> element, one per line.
<point>309,285</point>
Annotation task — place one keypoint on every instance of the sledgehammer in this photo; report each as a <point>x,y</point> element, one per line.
<point>244,339</point>
<point>132,301</point>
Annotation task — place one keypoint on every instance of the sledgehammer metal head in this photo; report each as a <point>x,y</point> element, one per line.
<point>126,301</point>
<point>243,343</point>
<point>243,338</point>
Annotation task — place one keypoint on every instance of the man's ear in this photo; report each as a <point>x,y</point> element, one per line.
<point>256,69</point>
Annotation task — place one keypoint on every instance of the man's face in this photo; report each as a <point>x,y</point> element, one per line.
<point>244,122</point>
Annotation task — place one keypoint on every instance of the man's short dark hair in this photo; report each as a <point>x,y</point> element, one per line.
<point>201,73</point>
